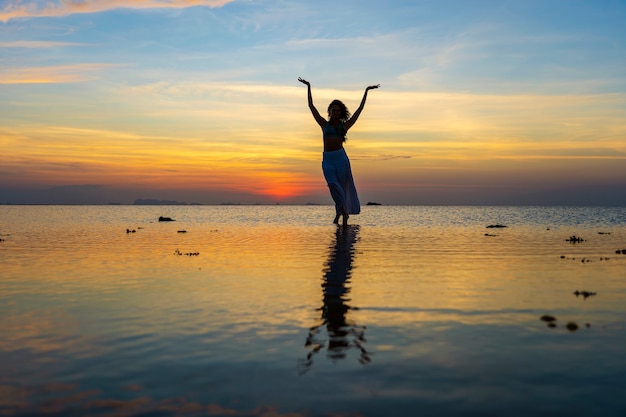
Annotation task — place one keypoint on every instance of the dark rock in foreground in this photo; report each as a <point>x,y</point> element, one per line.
<point>584,294</point>
<point>179,253</point>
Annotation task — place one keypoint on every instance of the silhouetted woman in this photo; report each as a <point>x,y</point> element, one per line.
<point>335,162</point>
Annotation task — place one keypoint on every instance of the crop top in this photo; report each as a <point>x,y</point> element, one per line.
<point>331,131</point>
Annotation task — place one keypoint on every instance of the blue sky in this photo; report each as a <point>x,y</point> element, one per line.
<point>482,102</point>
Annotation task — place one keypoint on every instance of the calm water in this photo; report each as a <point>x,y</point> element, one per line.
<point>272,311</point>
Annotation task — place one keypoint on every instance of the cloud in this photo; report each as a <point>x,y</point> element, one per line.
<point>381,157</point>
<point>50,75</point>
<point>35,8</point>
<point>38,44</point>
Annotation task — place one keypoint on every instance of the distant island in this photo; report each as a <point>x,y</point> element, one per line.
<point>157,202</point>
<point>154,202</point>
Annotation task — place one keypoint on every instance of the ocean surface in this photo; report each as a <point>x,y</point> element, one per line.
<point>273,311</point>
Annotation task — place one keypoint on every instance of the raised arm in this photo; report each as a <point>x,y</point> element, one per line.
<point>316,115</point>
<point>348,124</point>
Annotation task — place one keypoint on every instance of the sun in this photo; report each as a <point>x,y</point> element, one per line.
<point>282,192</point>
<point>286,187</point>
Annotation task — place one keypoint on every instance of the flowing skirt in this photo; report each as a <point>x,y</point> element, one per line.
<point>338,175</point>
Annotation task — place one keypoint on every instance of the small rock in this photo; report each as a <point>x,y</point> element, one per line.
<point>571,326</point>
<point>585,294</point>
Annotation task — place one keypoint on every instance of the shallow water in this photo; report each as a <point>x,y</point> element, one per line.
<point>271,310</point>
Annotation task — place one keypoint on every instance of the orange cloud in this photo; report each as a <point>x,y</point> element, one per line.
<point>71,156</point>
<point>49,75</point>
<point>35,8</point>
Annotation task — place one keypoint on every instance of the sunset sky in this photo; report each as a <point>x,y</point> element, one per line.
<point>481,102</point>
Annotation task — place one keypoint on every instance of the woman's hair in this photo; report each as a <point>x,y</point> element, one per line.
<point>345,113</point>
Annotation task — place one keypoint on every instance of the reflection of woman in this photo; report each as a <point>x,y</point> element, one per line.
<point>342,334</point>
<point>335,162</point>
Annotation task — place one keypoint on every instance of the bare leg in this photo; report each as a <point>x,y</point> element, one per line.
<point>336,221</point>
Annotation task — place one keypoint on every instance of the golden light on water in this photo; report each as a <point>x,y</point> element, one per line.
<point>109,293</point>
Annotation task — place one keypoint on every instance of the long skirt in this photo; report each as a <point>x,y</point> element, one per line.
<point>338,175</point>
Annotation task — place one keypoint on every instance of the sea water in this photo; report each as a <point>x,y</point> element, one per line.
<point>275,311</point>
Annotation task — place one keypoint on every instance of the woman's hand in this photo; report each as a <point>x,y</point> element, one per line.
<point>371,87</point>
<point>303,81</point>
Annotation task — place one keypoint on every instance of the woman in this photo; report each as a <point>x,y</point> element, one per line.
<point>335,162</point>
